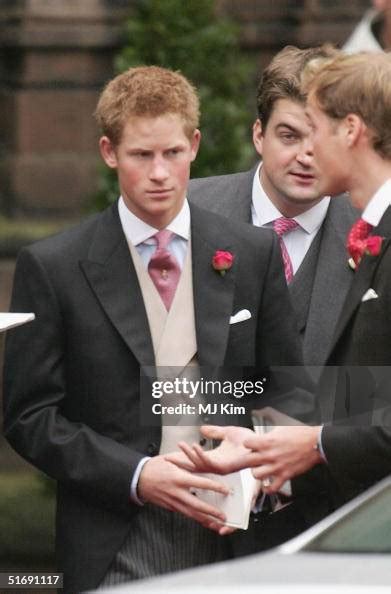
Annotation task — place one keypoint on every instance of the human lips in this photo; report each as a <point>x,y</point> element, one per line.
<point>302,177</point>
<point>160,193</point>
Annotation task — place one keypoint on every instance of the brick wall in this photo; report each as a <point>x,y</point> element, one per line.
<point>267,26</point>
<point>56,55</point>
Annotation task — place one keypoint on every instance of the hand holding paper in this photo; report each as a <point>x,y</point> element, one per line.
<point>278,456</point>
<point>226,458</point>
<point>165,485</point>
<point>236,505</point>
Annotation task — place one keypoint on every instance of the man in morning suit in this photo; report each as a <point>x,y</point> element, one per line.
<point>349,107</point>
<point>285,188</point>
<point>283,192</point>
<point>130,287</point>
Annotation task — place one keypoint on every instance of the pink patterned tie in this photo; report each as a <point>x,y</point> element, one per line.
<point>282,226</point>
<point>163,268</point>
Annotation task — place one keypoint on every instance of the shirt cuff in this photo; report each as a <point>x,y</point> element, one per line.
<point>320,447</point>
<point>133,485</point>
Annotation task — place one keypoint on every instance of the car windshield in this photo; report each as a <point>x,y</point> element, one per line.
<point>366,529</point>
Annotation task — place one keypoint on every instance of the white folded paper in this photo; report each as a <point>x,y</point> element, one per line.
<point>10,320</point>
<point>237,504</point>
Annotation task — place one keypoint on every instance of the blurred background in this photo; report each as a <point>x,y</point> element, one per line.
<point>55,57</point>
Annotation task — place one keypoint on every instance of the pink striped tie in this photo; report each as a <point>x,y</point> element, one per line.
<point>163,268</point>
<point>282,226</point>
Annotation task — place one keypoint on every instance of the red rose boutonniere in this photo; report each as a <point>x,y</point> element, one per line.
<point>222,261</point>
<point>373,245</point>
<point>370,246</point>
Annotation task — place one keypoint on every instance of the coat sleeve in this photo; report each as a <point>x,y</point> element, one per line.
<point>357,457</point>
<point>35,398</point>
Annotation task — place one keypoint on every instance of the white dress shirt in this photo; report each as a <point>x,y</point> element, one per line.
<point>378,204</point>
<point>298,241</point>
<point>140,233</point>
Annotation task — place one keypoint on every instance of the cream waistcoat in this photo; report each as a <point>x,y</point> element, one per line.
<point>174,342</point>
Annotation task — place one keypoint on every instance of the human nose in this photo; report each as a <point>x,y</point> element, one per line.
<point>306,153</point>
<point>159,170</point>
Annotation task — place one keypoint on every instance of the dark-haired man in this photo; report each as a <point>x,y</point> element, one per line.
<point>284,192</point>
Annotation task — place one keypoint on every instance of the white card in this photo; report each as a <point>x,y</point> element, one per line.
<point>10,320</point>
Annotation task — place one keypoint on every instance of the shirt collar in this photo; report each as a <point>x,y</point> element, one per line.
<point>137,231</point>
<point>310,220</point>
<point>378,204</point>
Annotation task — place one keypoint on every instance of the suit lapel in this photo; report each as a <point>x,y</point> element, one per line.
<point>213,293</point>
<point>333,278</point>
<point>111,274</point>
<point>363,277</point>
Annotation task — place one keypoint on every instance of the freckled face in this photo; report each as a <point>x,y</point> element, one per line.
<point>153,162</point>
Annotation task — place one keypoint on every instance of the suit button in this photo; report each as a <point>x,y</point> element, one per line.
<point>202,441</point>
<point>152,449</point>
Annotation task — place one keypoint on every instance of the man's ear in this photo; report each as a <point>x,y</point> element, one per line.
<point>354,128</point>
<point>195,143</point>
<point>258,136</point>
<point>108,152</point>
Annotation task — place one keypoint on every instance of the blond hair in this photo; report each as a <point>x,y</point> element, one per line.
<point>146,91</point>
<point>359,84</point>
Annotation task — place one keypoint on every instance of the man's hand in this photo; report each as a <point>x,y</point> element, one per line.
<point>282,453</point>
<point>277,456</point>
<point>164,484</point>
<point>226,458</point>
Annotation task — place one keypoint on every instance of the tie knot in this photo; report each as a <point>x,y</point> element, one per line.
<point>163,238</point>
<point>283,225</point>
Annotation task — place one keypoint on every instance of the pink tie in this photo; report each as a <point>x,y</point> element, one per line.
<point>163,268</point>
<point>282,226</point>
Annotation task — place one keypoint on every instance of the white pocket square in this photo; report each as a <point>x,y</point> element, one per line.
<point>241,316</point>
<point>370,294</point>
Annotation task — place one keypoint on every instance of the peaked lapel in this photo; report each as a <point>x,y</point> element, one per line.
<point>363,277</point>
<point>213,293</point>
<point>111,274</point>
<point>331,283</point>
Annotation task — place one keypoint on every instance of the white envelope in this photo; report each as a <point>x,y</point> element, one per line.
<point>240,316</point>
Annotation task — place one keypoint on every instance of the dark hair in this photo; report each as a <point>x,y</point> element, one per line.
<point>281,78</point>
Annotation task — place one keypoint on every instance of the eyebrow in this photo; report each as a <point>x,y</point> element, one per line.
<point>288,126</point>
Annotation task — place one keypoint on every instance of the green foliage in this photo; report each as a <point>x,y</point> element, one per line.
<point>187,35</point>
<point>26,521</point>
